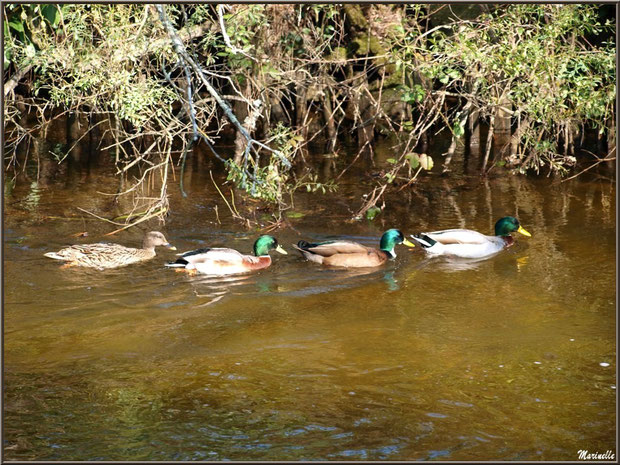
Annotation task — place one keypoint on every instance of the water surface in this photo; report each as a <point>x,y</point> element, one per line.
<point>509,358</point>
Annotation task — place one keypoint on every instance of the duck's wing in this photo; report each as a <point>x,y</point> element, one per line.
<point>369,258</point>
<point>458,236</point>
<point>100,249</point>
<point>330,248</point>
<point>214,255</point>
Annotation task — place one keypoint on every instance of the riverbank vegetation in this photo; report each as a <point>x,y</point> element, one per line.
<point>528,85</point>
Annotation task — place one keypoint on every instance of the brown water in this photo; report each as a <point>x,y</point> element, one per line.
<point>422,359</point>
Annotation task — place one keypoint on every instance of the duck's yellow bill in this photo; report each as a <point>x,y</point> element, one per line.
<point>171,247</point>
<point>408,243</point>
<point>523,231</point>
<point>281,250</point>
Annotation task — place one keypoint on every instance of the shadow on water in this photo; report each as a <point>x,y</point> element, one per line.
<point>511,357</point>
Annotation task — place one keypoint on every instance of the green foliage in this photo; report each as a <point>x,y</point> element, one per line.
<point>272,181</point>
<point>27,27</point>
<point>96,63</point>
<point>414,94</point>
<point>421,161</point>
<point>536,58</point>
<point>537,61</point>
<point>372,213</point>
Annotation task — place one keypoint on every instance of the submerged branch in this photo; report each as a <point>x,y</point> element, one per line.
<point>607,158</point>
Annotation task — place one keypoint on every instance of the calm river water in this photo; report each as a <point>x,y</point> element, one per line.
<point>509,358</point>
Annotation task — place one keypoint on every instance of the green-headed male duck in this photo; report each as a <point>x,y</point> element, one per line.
<point>223,261</point>
<point>351,254</point>
<point>466,243</point>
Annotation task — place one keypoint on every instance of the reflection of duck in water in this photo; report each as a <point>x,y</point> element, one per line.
<point>351,254</point>
<point>223,261</point>
<point>104,255</point>
<point>508,263</point>
<point>466,243</point>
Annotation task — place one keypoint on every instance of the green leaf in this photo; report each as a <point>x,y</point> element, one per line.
<point>418,92</point>
<point>413,159</point>
<point>458,129</point>
<point>17,25</point>
<point>392,161</point>
<point>295,214</point>
<point>426,162</point>
<point>50,12</point>
<point>372,212</point>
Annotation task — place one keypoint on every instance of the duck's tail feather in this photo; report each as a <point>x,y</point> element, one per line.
<point>423,240</point>
<point>302,246</point>
<point>305,245</point>
<point>180,263</point>
<point>54,255</point>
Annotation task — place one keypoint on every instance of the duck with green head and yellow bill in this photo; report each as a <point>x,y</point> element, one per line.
<point>352,254</point>
<point>466,243</point>
<point>223,261</point>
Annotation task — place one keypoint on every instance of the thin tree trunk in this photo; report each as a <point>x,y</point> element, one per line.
<point>611,135</point>
<point>301,105</point>
<point>249,125</point>
<point>462,121</point>
<point>514,141</point>
<point>489,142</point>
<point>502,122</point>
<point>474,128</point>
<point>329,121</point>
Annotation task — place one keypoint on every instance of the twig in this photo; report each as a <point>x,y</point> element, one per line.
<point>179,48</point>
<point>600,160</point>
<point>222,195</point>
<point>235,50</point>
<point>99,217</point>
<point>152,215</point>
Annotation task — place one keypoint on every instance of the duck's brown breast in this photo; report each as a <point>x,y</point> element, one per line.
<point>257,263</point>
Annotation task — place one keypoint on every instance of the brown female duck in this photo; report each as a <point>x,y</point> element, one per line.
<point>105,255</point>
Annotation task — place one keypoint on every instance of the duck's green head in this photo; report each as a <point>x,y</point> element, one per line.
<point>265,243</point>
<point>390,239</point>
<point>508,224</point>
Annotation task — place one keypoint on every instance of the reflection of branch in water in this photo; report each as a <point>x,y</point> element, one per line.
<point>212,301</point>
